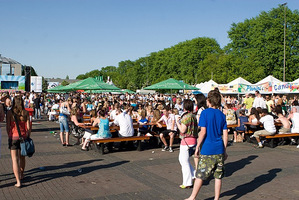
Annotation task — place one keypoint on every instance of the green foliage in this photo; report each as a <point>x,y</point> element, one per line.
<point>67,77</point>
<point>44,84</point>
<point>32,71</point>
<point>64,83</point>
<point>255,51</point>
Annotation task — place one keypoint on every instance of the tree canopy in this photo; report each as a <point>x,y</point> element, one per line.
<point>256,50</point>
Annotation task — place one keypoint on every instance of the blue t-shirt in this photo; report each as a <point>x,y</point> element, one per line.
<point>144,127</point>
<point>214,121</point>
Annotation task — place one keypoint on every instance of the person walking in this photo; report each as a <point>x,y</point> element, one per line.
<point>19,113</point>
<point>188,129</point>
<point>213,137</point>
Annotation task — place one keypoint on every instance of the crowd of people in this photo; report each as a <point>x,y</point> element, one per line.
<point>201,123</point>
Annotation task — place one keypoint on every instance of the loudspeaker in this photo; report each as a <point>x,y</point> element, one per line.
<point>27,78</point>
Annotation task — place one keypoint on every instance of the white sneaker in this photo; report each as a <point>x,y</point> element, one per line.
<point>298,147</point>
<point>170,149</point>
<point>165,148</point>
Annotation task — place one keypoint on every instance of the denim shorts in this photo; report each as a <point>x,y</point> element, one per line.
<point>64,125</point>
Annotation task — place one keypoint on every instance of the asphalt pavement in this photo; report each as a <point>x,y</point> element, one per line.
<point>58,172</point>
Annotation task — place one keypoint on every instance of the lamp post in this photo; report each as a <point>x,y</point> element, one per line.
<point>284,43</point>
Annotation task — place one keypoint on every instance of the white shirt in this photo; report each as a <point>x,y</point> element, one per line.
<point>268,122</point>
<point>295,123</point>
<point>125,123</point>
<point>113,114</point>
<point>168,121</point>
<point>259,102</point>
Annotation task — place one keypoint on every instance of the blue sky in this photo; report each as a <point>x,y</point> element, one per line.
<point>72,37</point>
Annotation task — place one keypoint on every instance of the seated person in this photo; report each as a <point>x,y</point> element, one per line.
<point>169,120</point>
<point>125,123</point>
<point>54,111</point>
<point>144,128</point>
<point>269,127</point>
<point>103,122</point>
<point>241,126</point>
<point>286,125</point>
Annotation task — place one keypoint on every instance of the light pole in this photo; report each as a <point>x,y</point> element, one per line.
<point>284,43</point>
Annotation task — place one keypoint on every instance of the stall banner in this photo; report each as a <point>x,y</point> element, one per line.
<point>229,89</point>
<point>286,88</point>
<point>12,83</point>
<point>52,84</point>
<point>262,88</point>
<point>36,84</point>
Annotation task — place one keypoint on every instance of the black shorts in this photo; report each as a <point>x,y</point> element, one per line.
<point>14,144</point>
<point>166,132</point>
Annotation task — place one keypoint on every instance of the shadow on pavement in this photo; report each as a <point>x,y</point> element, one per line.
<point>232,167</point>
<point>246,188</point>
<point>38,175</point>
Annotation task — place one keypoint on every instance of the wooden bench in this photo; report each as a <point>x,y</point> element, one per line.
<point>120,139</point>
<point>273,137</point>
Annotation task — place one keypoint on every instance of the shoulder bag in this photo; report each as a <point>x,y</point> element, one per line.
<point>27,145</point>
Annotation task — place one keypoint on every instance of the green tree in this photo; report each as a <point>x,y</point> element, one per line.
<point>64,83</point>
<point>257,44</point>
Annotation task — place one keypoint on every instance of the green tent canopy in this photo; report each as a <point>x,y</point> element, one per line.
<point>55,89</point>
<point>171,84</point>
<point>89,84</point>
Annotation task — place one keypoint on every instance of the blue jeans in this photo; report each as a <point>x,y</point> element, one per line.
<point>37,113</point>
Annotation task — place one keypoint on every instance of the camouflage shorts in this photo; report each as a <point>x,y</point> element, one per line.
<point>210,164</point>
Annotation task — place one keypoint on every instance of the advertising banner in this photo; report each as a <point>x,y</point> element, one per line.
<point>263,88</point>
<point>52,84</point>
<point>36,84</point>
<point>12,83</point>
<point>286,88</point>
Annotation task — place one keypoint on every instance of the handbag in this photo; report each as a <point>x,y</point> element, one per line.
<point>27,145</point>
<point>191,150</point>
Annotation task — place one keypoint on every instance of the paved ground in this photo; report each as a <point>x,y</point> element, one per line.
<point>57,172</point>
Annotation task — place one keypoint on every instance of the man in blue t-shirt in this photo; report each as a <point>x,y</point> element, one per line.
<point>213,137</point>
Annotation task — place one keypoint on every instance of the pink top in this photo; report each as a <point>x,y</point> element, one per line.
<point>191,141</point>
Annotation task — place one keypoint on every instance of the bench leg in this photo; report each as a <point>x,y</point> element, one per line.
<point>139,145</point>
<point>247,138</point>
<point>272,143</point>
<point>102,148</point>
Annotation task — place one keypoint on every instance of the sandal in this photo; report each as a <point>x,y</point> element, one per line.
<point>185,187</point>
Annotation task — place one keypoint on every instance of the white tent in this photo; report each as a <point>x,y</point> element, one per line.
<point>238,81</point>
<point>269,78</point>
<point>206,86</point>
<point>296,81</point>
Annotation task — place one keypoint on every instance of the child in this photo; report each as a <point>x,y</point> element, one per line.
<point>269,127</point>
<point>213,137</point>
<point>143,121</point>
<point>241,127</point>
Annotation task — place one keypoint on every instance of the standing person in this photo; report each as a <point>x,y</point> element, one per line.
<point>259,101</point>
<point>213,137</point>
<point>37,102</point>
<point>187,126</point>
<point>248,101</point>
<point>200,101</point>
<point>2,115</point>
<point>18,161</point>
<point>63,122</point>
